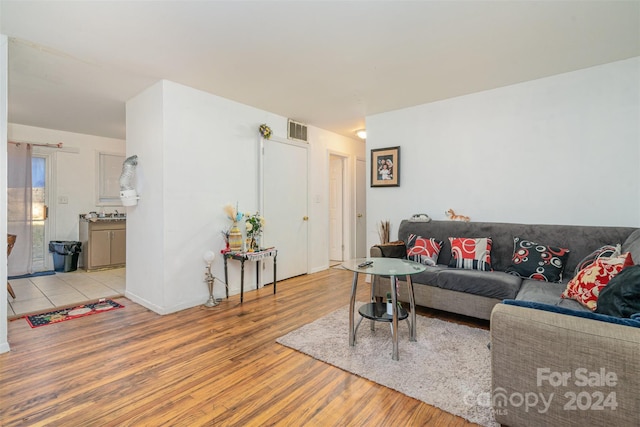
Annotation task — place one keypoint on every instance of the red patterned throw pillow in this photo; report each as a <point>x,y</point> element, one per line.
<point>423,250</point>
<point>471,254</point>
<point>585,287</point>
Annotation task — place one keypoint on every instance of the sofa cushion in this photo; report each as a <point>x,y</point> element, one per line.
<point>621,297</point>
<point>423,250</point>
<point>632,244</point>
<point>471,254</point>
<point>428,277</point>
<point>606,251</point>
<point>491,284</point>
<point>545,292</point>
<point>586,286</point>
<point>587,314</point>
<point>537,261</point>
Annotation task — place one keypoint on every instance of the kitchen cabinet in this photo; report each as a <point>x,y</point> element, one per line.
<point>104,244</point>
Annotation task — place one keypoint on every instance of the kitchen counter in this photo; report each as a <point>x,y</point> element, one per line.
<point>102,219</point>
<point>103,242</point>
<point>120,217</point>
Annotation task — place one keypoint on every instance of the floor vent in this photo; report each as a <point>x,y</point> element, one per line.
<point>297,131</point>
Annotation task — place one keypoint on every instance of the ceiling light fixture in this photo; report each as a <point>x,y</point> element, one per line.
<point>362,133</point>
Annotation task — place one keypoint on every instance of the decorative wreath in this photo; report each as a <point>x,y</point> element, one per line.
<point>265,131</point>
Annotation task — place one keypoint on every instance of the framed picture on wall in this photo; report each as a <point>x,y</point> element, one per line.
<point>385,167</point>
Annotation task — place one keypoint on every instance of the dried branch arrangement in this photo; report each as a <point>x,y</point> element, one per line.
<point>383,231</point>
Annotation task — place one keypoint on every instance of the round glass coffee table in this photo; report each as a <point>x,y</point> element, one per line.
<point>392,267</point>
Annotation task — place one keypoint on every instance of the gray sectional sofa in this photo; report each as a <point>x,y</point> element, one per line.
<point>554,362</point>
<point>475,293</point>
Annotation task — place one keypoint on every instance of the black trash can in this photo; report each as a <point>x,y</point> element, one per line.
<point>65,255</point>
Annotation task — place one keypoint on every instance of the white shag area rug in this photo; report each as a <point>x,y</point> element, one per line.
<point>449,366</point>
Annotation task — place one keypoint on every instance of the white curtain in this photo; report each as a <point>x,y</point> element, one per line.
<point>19,207</point>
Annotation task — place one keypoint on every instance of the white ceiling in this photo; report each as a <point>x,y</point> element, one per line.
<point>74,64</point>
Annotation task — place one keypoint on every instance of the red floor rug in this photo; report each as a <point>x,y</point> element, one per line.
<point>57,316</point>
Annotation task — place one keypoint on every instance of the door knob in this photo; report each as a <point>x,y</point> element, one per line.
<point>359,215</point>
<point>305,218</point>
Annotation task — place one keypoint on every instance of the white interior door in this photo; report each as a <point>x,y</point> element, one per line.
<point>361,209</point>
<point>336,206</point>
<point>285,177</point>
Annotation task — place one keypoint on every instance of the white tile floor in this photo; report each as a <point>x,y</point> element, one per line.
<point>64,289</point>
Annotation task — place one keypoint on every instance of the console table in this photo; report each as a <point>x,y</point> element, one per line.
<point>250,256</point>
<point>392,267</point>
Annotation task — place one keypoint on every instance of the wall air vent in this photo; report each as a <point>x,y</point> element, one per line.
<point>297,131</point>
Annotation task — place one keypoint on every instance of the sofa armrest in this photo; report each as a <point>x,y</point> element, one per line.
<point>375,251</point>
<point>556,369</point>
<point>389,250</point>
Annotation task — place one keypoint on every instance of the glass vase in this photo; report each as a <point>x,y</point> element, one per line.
<point>252,244</point>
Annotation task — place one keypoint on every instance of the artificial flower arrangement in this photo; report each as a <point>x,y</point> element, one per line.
<point>254,225</point>
<point>225,236</point>
<point>265,131</point>
<point>232,212</point>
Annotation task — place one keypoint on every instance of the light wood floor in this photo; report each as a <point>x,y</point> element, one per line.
<point>214,367</point>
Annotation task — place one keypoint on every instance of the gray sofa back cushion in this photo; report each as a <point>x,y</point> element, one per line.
<point>580,240</point>
<point>632,244</point>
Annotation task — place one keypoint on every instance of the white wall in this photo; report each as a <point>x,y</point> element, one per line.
<point>74,173</point>
<point>145,221</point>
<point>559,150</point>
<point>4,343</point>
<point>198,152</point>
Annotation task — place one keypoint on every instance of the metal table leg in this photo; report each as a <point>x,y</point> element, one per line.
<point>258,265</point>
<point>372,323</point>
<point>226,276</point>
<point>412,305</point>
<point>241,280</point>
<point>352,304</point>
<point>394,330</point>
<point>274,273</point>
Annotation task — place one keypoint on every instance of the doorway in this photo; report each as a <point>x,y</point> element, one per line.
<point>337,173</point>
<point>361,209</point>
<point>45,292</point>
